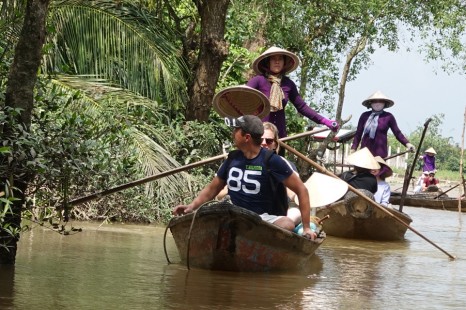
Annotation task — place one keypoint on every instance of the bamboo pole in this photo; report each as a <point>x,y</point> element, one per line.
<point>410,169</point>
<point>443,193</point>
<point>461,162</point>
<point>173,171</point>
<point>395,155</point>
<point>359,193</point>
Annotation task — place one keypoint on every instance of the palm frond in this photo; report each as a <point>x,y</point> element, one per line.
<point>120,44</point>
<point>99,97</point>
<point>11,22</point>
<point>153,159</point>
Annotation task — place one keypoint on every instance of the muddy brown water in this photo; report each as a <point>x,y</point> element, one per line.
<point>124,267</point>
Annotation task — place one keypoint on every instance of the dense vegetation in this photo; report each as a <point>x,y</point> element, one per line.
<point>124,91</point>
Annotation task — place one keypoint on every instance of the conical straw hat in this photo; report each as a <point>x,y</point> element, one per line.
<point>291,62</point>
<point>235,101</point>
<point>363,158</point>
<point>324,190</point>
<point>431,150</point>
<point>379,96</point>
<point>385,170</point>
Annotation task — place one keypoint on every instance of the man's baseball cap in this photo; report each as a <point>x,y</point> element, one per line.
<point>250,124</point>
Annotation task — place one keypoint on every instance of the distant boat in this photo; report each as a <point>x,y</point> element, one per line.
<point>222,236</point>
<point>428,200</point>
<point>355,218</point>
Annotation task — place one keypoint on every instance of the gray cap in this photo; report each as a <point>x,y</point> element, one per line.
<point>250,124</point>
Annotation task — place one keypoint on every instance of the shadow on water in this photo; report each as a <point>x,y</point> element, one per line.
<point>7,282</point>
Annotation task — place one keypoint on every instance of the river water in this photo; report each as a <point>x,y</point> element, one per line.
<point>125,267</point>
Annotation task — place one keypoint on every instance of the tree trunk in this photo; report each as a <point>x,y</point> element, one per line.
<point>20,95</point>
<point>212,52</point>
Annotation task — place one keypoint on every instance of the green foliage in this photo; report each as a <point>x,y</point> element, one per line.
<point>194,141</point>
<point>89,134</point>
<point>6,210</point>
<point>119,42</point>
<point>118,117</point>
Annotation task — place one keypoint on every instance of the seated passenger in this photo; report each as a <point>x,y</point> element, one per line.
<point>430,183</point>
<point>382,195</point>
<point>361,177</point>
<point>420,182</point>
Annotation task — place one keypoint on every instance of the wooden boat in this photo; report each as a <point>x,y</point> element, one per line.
<point>428,200</point>
<point>353,217</point>
<point>222,236</point>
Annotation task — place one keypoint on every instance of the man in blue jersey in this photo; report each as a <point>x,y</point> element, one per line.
<point>248,177</point>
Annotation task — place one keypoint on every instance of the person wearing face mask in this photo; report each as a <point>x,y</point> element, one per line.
<point>373,126</point>
<point>271,68</point>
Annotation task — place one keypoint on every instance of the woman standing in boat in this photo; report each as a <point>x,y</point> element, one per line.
<point>429,160</point>
<point>373,126</point>
<point>271,68</point>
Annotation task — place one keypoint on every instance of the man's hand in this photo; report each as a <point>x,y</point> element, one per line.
<point>182,210</point>
<point>309,234</point>
<point>410,147</point>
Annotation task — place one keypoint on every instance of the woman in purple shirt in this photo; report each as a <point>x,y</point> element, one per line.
<point>373,126</point>
<point>271,68</point>
<point>429,160</point>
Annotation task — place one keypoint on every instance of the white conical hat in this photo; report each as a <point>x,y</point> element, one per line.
<point>379,96</point>
<point>363,158</point>
<point>388,172</point>
<point>324,190</point>
<point>431,150</point>
<point>380,160</point>
<point>291,63</point>
<point>235,101</point>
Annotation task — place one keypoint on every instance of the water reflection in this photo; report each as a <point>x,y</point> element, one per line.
<point>214,289</point>
<point>7,279</point>
<point>201,289</point>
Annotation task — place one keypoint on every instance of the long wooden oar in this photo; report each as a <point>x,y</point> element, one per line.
<point>145,180</point>
<point>359,193</point>
<point>173,171</point>
<point>411,169</point>
<point>395,155</point>
<point>443,193</point>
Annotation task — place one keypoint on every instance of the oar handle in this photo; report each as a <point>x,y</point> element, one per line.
<point>323,219</point>
<point>396,155</point>
<point>303,134</point>
<point>443,193</point>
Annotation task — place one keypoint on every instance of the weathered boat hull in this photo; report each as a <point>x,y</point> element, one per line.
<point>358,219</point>
<point>428,201</point>
<point>230,238</point>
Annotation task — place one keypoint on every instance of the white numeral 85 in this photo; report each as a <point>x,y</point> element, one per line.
<point>236,178</point>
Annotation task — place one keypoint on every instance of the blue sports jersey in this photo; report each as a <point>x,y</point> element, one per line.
<point>249,183</point>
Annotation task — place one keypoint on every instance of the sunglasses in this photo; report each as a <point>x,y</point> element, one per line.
<point>268,141</point>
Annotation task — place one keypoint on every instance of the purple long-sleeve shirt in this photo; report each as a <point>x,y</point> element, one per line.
<point>290,91</point>
<point>378,145</point>
<point>429,163</point>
